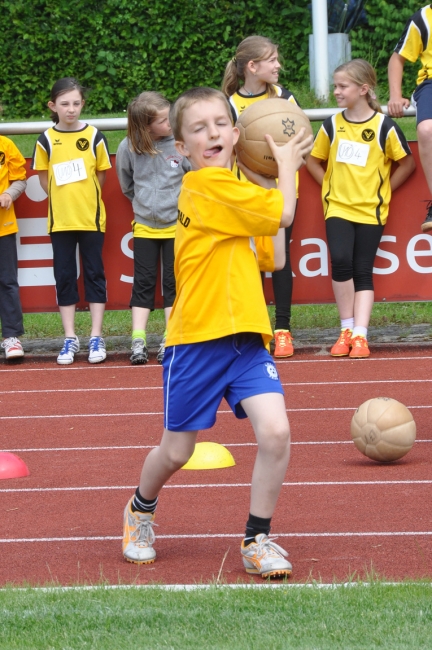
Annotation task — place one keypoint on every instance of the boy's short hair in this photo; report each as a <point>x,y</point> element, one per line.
<point>187,99</point>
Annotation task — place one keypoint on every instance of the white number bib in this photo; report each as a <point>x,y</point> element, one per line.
<point>70,171</point>
<point>352,153</point>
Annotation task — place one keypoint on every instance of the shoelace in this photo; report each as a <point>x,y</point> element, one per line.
<point>68,344</point>
<point>137,345</point>
<point>143,532</point>
<point>94,343</point>
<point>267,545</point>
<point>9,343</point>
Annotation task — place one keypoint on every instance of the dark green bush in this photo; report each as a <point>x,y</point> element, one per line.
<point>117,48</point>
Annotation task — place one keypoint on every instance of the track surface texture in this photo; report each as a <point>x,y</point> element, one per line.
<point>84,431</point>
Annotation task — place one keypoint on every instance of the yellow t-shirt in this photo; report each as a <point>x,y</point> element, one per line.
<point>140,230</point>
<point>356,183</point>
<point>416,41</point>
<point>73,205</point>
<point>218,284</point>
<point>12,168</point>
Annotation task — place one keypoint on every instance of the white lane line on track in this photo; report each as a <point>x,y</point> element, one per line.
<point>225,444</point>
<point>194,486</point>
<point>123,415</point>
<point>112,538</point>
<point>288,384</point>
<point>147,367</point>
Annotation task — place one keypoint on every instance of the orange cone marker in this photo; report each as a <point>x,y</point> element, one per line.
<point>11,466</point>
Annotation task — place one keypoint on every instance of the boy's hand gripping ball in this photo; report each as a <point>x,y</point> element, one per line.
<point>383,429</point>
<point>276,117</point>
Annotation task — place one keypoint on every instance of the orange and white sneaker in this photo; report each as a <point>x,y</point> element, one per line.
<point>138,536</point>
<point>13,348</point>
<point>343,345</point>
<point>265,558</point>
<point>359,348</point>
<point>283,344</point>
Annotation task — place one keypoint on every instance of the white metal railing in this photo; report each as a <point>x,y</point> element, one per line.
<point>120,123</point>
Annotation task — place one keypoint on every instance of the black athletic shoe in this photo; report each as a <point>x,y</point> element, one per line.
<point>139,354</point>
<point>427,223</point>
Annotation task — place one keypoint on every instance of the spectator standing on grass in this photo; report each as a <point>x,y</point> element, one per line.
<point>359,146</point>
<point>219,324</point>
<point>12,184</point>
<point>415,43</point>
<point>150,171</point>
<point>251,76</point>
<point>71,159</point>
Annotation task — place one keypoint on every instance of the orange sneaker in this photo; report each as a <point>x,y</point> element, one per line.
<point>342,346</point>
<point>359,348</point>
<point>283,344</point>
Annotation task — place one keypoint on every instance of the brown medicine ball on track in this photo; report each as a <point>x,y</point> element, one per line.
<point>276,117</point>
<point>383,429</point>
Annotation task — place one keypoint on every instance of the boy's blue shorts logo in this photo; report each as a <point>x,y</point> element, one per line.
<point>271,371</point>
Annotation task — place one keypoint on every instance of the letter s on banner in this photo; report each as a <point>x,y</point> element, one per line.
<point>321,255</point>
<point>412,254</point>
<point>391,257</point>
<point>129,253</point>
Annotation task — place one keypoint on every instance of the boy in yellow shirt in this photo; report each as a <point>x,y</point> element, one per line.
<point>219,324</point>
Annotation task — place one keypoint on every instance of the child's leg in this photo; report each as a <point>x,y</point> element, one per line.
<point>140,316</point>
<point>168,287</point>
<point>424,134</point>
<point>10,304</point>
<point>97,310</point>
<point>267,413</point>
<point>67,314</point>
<point>161,463</point>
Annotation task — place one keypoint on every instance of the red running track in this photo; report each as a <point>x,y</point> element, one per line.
<point>83,432</point>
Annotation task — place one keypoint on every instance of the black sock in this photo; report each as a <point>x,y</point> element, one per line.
<point>143,505</point>
<point>255,526</point>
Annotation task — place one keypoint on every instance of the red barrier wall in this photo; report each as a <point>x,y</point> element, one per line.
<point>402,271</point>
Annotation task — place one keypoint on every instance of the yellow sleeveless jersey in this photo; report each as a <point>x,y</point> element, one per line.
<point>416,41</point>
<point>356,184</point>
<point>12,168</point>
<point>218,284</point>
<point>74,194</point>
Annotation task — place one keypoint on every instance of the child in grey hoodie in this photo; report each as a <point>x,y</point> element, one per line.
<point>150,171</point>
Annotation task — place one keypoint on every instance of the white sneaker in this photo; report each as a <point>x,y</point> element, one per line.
<point>67,354</point>
<point>13,348</point>
<point>265,558</point>
<point>138,536</point>
<point>139,354</point>
<point>161,351</point>
<point>97,351</point>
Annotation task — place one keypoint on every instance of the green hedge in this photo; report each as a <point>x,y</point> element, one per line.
<point>117,48</point>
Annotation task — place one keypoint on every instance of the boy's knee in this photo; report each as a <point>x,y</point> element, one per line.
<point>424,131</point>
<point>277,437</point>
<point>176,458</point>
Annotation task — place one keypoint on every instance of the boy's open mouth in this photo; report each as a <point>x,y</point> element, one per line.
<point>209,153</point>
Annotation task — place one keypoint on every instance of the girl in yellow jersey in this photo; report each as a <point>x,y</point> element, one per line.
<point>359,146</point>
<point>251,76</point>
<point>71,159</point>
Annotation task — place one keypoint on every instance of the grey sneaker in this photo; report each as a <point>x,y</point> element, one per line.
<point>97,351</point>
<point>13,348</point>
<point>427,223</point>
<point>139,354</point>
<point>265,558</point>
<point>67,354</point>
<point>138,536</point>
<point>161,351</point>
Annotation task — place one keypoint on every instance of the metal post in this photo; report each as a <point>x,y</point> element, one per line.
<point>320,34</point>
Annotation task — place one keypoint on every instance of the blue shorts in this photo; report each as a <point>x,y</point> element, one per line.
<point>198,375</point>
<point>423,99</point>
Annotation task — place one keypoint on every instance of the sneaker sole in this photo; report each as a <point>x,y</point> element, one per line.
<point>278,573</point>
<point>65,363</point>
<point>14,355</point>
<point>139,561</point>
<point>283,356</point>
<point>355,356</point>
<point>138,362</point>
<point>344,354</point>
<point>97,360</point>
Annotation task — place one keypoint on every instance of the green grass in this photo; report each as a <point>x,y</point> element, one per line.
<point>119,323</point>
<point>361,616</point>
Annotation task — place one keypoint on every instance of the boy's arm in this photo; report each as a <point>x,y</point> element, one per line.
<point>15,189</point>
<point>396,103</point>
<point>404,169</point>
<point>101,175</point>
<point>315,169</point>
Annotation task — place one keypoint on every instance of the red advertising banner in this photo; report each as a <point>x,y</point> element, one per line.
<point>402,271</point>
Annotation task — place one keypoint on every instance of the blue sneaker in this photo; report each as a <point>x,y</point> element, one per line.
<point>97,351</point>
<point>67,354</point>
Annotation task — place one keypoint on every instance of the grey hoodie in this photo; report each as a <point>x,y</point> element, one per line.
<point>152,183</point>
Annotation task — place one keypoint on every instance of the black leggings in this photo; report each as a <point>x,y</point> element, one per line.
<point>283,288</point>
<point>147,253</point>
<point>353,248</point>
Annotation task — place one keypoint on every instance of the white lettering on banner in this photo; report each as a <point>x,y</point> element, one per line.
<point>391,257</point>
<point>35,276</point>
<point>412,253</point>
<point>320,255</point>
<point>129,253</point>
